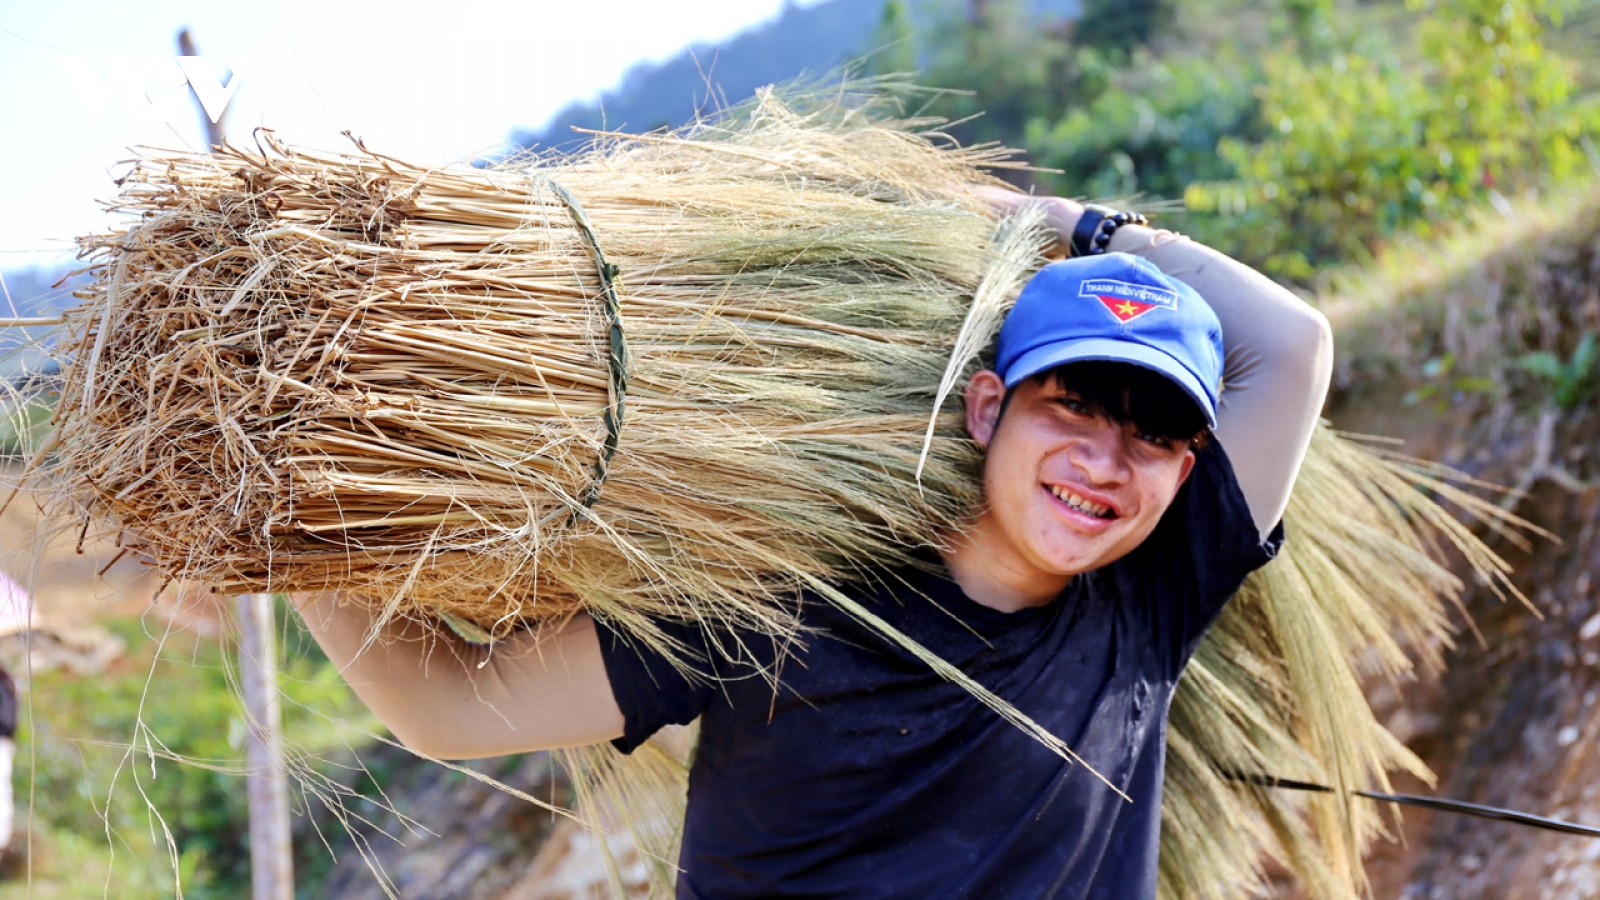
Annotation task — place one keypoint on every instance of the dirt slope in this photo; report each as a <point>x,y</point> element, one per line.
<point>1514,721</point>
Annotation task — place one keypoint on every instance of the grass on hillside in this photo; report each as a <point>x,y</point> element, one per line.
<point>1498,309</point>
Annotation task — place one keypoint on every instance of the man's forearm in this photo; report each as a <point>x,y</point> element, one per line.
<point>448,699</point>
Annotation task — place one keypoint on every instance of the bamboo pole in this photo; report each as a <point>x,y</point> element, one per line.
<point>271,858</point>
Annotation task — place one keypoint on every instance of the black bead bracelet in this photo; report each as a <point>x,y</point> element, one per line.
<point>1095,227</point>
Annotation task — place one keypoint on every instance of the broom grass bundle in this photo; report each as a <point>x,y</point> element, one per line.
<point>675,375</point>
<point>1275,690</point>
<point>468,392</point>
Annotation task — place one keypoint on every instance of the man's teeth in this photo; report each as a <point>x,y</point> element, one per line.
<point>1078,503</point>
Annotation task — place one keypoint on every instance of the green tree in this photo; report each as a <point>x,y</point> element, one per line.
<point>1364,144</point>
<point>1010,67</point>
<point>1310,24</point>
<point>894,49</point>
<point>1118,26</point>
<point>1152,130</point>
<point>1504,98</point>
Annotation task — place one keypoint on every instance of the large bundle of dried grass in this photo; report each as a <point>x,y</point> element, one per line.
<point>666,376</point>
<point>676,374</point>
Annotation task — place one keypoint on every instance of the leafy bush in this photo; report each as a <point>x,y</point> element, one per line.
<point>107,787</point>
<point>1571,382</point>
<point>1364,144</point>
<point>1151,129</point>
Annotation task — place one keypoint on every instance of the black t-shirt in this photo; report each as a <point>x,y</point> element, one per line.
<point>865,774</point>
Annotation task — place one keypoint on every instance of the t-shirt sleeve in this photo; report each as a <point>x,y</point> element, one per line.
<point>650,689</point>
<point>1199,554</point>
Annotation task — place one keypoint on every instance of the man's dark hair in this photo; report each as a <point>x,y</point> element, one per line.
<point>1123,392</point>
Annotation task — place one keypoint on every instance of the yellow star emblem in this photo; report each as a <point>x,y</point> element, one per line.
<point>1127,308</point>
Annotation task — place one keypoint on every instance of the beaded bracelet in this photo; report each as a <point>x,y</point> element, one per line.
<point>1096,226</point>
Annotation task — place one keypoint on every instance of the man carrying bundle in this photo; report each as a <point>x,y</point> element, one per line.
<point>1127,499</point>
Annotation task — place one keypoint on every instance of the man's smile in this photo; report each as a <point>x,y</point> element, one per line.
<point>1081,514</point>
<point>1099,507</point>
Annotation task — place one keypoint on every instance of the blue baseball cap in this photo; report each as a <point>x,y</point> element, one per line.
<point>1118,308</point>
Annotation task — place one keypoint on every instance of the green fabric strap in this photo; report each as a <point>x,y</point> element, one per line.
<point>617,389</point>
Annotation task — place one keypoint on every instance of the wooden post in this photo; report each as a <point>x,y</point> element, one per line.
<point>271,856</point>
<point>214,130</point>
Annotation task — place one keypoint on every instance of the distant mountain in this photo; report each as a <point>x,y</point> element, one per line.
<point>801,40</point>
<point>32,293</point>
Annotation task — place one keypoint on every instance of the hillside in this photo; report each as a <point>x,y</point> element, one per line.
<point>812,39</point>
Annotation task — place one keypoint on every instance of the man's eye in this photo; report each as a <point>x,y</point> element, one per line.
<point>1165,443</point>
<point>1076,404</point>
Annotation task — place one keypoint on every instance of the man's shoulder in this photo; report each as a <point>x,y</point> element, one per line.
<point>1179,580</point>
<point>1211,518</point>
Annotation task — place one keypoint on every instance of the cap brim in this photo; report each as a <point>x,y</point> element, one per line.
<point>1049,356</point>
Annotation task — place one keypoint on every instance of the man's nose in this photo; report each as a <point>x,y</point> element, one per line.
<point>1102,455</point>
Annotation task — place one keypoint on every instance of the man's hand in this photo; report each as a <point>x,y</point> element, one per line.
<point>1062,214</point>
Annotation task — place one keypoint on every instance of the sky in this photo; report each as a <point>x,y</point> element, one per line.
<point>82,82</point>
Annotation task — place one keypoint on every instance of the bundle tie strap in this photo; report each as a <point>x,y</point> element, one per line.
<point>617,358</point>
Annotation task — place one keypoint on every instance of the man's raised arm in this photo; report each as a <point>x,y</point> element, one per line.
<point>1278,362</point>
<point>1279,352</point>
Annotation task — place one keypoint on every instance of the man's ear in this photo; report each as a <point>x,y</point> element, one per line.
<point>986,393</point>
<point>1188,467</point>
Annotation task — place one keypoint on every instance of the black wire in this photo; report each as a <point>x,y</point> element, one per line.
<point>1434,803</point>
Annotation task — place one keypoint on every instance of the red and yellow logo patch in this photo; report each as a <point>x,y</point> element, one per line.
<point>1128,301</point>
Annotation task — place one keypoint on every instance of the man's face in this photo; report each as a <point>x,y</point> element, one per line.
<point>1068,490</point>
